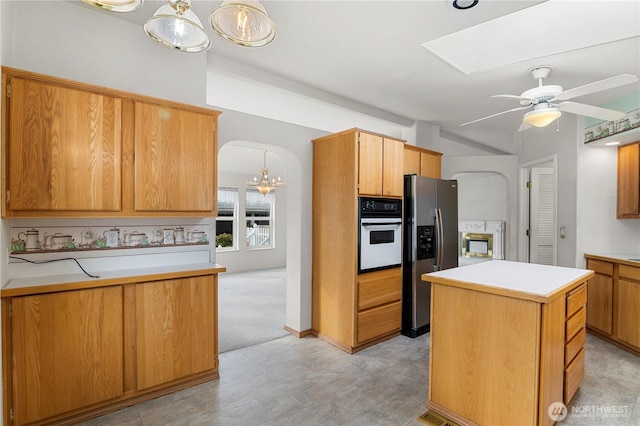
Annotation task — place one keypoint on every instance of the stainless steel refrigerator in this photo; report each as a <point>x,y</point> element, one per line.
<point>430,243</point>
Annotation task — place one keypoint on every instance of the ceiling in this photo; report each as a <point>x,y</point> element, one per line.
<point>369,56</point>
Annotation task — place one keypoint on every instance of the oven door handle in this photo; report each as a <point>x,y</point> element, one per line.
<point>380,223</point>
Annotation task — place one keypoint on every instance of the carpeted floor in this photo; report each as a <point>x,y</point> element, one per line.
<point>251,308</point>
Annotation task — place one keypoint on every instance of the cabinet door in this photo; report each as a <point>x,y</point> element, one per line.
<point>67,351</point>
<point>411,161</point>
<point>370,164</point>
<point>393,165</point>
<point>600,302</point>
<point>175,159</point>
<point>64,148</point>
<point>628,305</point>
<point>430,165</point>
<point>176,329</point>
<point>628,200</point>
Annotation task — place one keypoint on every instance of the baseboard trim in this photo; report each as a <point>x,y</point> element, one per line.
<point>299,334</point>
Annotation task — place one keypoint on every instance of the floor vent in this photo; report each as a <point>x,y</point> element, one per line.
<point>433,419</point>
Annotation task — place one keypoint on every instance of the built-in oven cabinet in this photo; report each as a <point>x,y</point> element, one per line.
<point>351,310</point>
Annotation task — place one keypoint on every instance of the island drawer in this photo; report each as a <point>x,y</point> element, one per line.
<point>573,375</point>
<point>576,300</point>
<point>379,321</point>
<point>600,266</point>
<point>574,346</point>
<point>575,323</point>
<point>629,272</point>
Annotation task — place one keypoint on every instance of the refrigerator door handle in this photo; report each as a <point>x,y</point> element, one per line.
<point>439,240</point>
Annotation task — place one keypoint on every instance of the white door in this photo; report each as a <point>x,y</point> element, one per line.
<point>542,216</point>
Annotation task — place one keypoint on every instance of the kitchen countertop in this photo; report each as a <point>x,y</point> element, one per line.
<point>53,283</point>
<point>529,281</point>
<point>625,259</point>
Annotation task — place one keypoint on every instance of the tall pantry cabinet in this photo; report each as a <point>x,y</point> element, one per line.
<point>352,311</point>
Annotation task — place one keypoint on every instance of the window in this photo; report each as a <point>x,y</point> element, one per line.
<point>259,214</point>
<point>226,222</point>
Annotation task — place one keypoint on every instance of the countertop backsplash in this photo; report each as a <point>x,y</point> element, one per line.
<point>40,247</point>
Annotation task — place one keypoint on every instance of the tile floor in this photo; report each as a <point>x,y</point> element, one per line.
<point>291,381</point>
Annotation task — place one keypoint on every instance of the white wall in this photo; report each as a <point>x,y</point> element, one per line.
<point>506,167</point>
<point>482,196</point>
<point>598,230</point>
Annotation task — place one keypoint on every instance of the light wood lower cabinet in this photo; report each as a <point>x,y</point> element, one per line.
<point>613,311</point>
<point>600,306</point>
<point>628,306</point>
<point>66,351</point>
<point>175,330</point>
<point>72,355</point>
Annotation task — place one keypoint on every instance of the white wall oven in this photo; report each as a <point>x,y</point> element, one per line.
<point>379,234</point>
<point>476,244</point>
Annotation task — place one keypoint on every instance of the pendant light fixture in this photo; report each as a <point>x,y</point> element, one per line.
<point>243,22</point>
<point>115,5</point>
<point>175,26</point>
<point>265,185</point>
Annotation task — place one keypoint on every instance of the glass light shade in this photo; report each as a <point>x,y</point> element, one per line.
<point>176,27</point>
<point>115,5</point>
<point>245,23</point>
<point>542,117</point>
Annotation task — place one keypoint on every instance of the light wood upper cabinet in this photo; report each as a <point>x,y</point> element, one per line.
<point>422,162</point>
<point>71,149</point>
<point>380,165</point>
<point>67,351</point>
<point>64,148</point>
<point>176,330</point>
<point>175,158</point>
<point>628,200</point>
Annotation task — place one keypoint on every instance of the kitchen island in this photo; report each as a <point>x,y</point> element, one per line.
<point>506,342</point>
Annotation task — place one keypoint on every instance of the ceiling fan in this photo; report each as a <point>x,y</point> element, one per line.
<point>548,102</point>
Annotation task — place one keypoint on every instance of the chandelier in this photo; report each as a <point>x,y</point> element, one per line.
<point>265,184</point>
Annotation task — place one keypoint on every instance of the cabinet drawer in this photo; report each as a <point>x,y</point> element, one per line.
<point>379,321</point>
<point>573,375</point>
<point>576,300</point>
<point>574,346</point>
<point>600,266</point>
<point>380,289</point>
<point>575,323</point>
<point>626,271</point>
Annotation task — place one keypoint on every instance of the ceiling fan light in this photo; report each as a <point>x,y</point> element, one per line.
<point>115,5</point>
<point>245,23</point>
<point>175,26</point>
<point>542,117</point>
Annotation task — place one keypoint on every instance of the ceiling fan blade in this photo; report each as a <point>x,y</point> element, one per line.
<point>516,97</point>
<point>495,115</point>
<point>607,83</point>
<point>591,111</point>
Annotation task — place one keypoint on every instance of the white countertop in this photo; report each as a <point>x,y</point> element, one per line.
<point>633,259</point>
<point>18,285</point>
<point>529,278</point>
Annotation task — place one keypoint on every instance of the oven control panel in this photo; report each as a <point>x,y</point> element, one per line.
<point>426,242</point>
